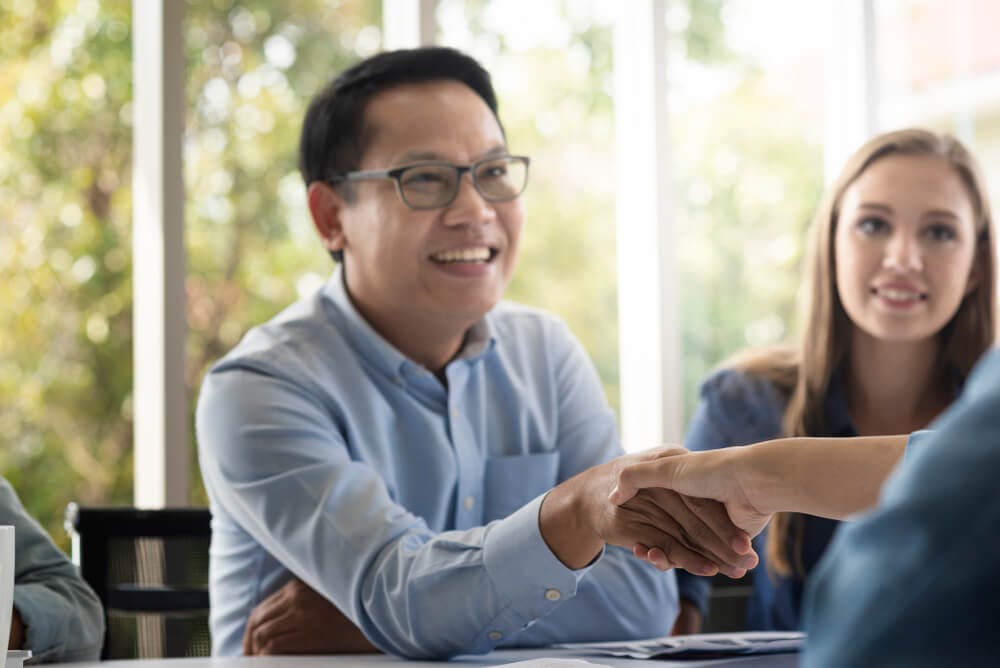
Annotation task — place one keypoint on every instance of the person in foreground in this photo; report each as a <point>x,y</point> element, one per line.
<point>909,583</point>
<point>900,302</point>
<point>403,461</point>
<point>56,614</point>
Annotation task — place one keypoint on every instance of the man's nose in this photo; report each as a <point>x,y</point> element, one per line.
<point>469,207</point>
<point>903,254</point>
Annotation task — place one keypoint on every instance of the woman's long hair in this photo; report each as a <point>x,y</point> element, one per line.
<point>803,374</point>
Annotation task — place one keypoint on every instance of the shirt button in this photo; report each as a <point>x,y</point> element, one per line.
<point>454,412</point>
<point>469,502</point>
<point>494,635</point>
<point>553,594</point>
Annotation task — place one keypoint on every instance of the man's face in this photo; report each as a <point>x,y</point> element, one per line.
<point>450,264</point>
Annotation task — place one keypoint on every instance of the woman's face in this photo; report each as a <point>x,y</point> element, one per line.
<point>904,247</point>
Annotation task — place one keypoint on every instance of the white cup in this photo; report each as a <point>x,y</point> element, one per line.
<point>6,587</point>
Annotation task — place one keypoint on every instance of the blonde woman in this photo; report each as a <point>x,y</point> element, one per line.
<point>900,304</point>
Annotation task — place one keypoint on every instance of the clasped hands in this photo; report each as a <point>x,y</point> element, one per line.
<point>668,527</point>
<point>712,481</point>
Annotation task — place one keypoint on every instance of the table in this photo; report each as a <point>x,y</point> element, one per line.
<point>383,661</point>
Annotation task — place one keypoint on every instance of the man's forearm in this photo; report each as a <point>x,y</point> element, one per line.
<point>828,477</point>
<point>562,523</point>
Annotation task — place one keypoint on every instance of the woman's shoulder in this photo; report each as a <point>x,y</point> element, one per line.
<point>735,388</point>
<point>737,406</point>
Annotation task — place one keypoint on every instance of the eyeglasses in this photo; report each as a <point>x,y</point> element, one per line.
<point>434,185</point>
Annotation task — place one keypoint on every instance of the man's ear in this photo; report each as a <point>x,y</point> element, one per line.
<point>327,208</point>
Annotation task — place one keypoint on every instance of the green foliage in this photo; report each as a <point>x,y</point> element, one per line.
<point>65,249</point>
<point>748,179</point>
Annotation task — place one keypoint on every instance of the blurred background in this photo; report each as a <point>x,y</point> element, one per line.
<point>749,115</point>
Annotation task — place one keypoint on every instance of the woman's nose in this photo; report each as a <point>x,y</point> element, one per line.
<point>903,254</point>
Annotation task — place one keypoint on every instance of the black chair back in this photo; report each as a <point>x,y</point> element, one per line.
<point>727,608</point>
<point>150,570</point>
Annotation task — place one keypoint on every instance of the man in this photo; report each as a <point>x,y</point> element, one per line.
<point>911,582</point>
<point>392,442</point>
<point>56,615</point>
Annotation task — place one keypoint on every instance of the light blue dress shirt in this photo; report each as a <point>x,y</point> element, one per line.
<point>62,617</point>
<point>412,506</point>
<point>914,583</point>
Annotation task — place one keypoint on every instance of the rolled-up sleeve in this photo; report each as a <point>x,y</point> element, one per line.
<point>62,616</point>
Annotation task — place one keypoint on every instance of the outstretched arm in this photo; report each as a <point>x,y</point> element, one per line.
<point>829,477</point>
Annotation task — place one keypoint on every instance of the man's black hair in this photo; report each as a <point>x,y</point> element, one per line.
<point>334,136</point>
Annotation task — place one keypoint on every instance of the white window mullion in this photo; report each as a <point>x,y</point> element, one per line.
<point>408,23</point>
<point>649,327</point>
<point>162,459</point>
<point>852,97</point>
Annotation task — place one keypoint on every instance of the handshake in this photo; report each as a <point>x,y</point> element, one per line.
<point>698,510</point>
<point>672,508</point>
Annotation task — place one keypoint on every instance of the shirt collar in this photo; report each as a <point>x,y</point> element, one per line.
<point>479,339</point>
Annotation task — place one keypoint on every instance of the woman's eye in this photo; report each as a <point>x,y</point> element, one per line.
<point>873,225</point>
<point>941,233</point>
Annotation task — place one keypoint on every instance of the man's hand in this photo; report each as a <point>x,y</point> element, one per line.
<point>576,520</point>
<point>16,640</point>
<point>297,620</point>
<point>688,619</point>
<point>718,475</point>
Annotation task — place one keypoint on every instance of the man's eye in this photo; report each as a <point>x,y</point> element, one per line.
<point>424,178</point>
<point>494,172</point>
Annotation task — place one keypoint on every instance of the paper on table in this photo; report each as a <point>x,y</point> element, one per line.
<point>701,646</point>
<point>553,663</point>
<point>16,657</point>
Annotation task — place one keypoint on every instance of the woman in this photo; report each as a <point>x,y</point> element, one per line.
<point>900,303</point>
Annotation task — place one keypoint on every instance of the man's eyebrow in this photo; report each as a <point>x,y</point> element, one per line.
<point>418,156</point>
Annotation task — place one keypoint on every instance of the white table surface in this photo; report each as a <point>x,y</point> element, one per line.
<point>383,661</point>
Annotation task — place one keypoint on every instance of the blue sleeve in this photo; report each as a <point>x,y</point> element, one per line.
<point>620,597</point>
<point>62,617</point>
<point>734,408</point>
<point>274,461</point>
<point>913,583</point>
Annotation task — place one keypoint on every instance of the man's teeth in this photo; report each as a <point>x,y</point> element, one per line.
<point>481,254</point>
<point>899,295</point>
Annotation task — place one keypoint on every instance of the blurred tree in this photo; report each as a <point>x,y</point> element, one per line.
<point>65,245</point>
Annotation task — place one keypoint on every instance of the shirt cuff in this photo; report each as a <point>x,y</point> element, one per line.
<point>914,442</point>
<point>39,632</point>
<point>520,564</point>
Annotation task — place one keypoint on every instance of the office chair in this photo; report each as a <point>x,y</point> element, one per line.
<point>150,570</point>
<point>727,606</point>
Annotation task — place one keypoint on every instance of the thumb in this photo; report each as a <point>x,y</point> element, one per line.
<point>655,473</point>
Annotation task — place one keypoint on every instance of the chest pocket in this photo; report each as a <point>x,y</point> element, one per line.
<point>513,481</point>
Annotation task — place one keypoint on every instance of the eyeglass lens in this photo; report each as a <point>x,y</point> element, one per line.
<point>428,186</point>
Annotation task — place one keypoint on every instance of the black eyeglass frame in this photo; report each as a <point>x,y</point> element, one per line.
<point>395,174</point>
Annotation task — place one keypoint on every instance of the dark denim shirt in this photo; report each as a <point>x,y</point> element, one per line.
<point>737,408</point>
<point>913,583</point>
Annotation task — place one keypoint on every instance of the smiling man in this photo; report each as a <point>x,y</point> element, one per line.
<point>402,459</point>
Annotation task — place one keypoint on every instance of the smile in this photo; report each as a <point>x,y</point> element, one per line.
<point>899,294</point>
<point>470,255</point>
